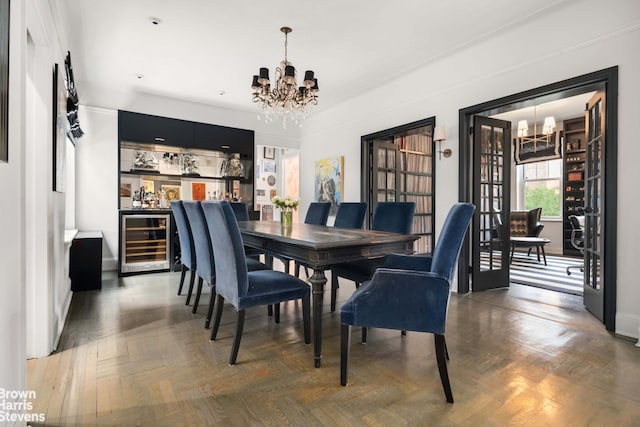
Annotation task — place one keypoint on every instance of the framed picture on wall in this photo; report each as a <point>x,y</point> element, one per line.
<point>269,153</point>
<point>59,129</point>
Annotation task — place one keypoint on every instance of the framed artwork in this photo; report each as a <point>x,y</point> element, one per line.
<point>269,153</point>
<point>149,186</point>
<point>269,166</point>
<point>171,192</point>
<point>125,189</point>
<point>272,194</point>
<point>267,212</point>
<point>4,80</point>
<point>59,129</point>
<point>198,191</point>
<point>271,180</point>
<point>328,181</point>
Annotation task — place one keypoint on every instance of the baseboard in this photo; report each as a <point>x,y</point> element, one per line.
<point>628,325</point>
<point>109,264</point>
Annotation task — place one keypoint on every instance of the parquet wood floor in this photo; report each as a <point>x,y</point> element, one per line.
<point>133,354</point>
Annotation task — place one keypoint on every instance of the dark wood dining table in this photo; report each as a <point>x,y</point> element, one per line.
<point>320,247</point>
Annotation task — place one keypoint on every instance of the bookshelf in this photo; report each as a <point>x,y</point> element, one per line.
<point>574,146</point>
<point>397,165</point>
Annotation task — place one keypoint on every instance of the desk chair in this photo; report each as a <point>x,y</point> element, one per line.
<point>577,240</point>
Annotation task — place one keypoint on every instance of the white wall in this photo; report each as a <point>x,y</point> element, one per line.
<point>47,284</point>
<point>578,38</point>
<point>12,210</point>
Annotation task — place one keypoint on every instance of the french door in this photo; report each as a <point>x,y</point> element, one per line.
<point>491,189</point>
<point>594,211</point>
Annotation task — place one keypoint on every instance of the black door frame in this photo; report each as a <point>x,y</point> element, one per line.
<point>562,89</point>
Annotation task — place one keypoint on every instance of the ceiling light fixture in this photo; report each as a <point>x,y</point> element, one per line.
<point>547,129</point>
<point>284,99</point>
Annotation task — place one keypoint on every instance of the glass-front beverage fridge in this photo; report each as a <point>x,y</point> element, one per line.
<point>145,240</point>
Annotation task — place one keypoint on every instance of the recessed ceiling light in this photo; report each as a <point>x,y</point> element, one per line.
<point>155,21</point>
<point>225,147</point>
<point>222,92</point>
<point>139,76</point>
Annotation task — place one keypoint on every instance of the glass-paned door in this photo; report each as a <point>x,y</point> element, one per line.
<point>491,187</point>
<point>594,207</point>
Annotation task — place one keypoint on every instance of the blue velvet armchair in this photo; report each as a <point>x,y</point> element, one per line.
<point>411,292</point>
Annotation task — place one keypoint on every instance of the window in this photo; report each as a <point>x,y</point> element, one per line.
<point>540,186</point>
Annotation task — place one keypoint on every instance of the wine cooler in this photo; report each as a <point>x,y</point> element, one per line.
<point>145,242</point>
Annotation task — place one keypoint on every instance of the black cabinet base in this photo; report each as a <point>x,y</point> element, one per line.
<point>85,261</point>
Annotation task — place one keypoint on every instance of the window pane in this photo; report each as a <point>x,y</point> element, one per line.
<point>544,194</point>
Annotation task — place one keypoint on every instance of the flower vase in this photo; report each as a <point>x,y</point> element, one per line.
<point>286,219</point>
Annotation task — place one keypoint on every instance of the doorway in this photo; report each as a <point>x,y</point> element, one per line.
<point>603,231</point>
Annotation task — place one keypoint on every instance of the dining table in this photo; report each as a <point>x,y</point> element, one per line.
<point>320,247</point>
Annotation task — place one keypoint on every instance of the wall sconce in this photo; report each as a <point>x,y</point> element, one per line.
<point>439,135</point>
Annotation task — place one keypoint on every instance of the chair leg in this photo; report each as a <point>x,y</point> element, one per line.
<point>216,322</point>
<point>184,273</point>
<point>198,293</point>
<point>270,310</point>
<point>364,335</point>
<point>403,333</point>
<point>236,340</point>
<point>441,350</point>
<point>446,349</point>
<point>276,312</point>
<point>192,280</point>
<point>345,339</point>
<point>306,271</point>
<point>296,269</point>
<point>334,291</point>
<point>212,300</point>
<point>306,319</point>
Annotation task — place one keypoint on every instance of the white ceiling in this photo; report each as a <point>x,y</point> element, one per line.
<point>202,48</point>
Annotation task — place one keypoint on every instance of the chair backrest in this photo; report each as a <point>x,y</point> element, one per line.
<point>201,241</point>
<point>318,213</point>
<point>577,231</point>
<point>395,217</point>
<point>241,210</point>
<point>350,214</point>
<point>525,223</point>
<point>187,250</point>
<point>447,250</point>
<point>232,279</point>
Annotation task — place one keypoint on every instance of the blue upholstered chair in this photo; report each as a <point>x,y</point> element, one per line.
<point>187,250</point>
<point>395,217</point>
<point>349,215</point>
<point>410,293</point>
<point>204,254</point>
<point>242,288</point>
<point>241,211</point>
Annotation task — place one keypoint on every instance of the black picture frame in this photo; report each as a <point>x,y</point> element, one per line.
<point>4,80</point>
<point>59,101</point>
<point>269,153</point>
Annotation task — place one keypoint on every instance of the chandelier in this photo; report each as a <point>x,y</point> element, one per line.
<point>284,99</point>
<point>547,129</point>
